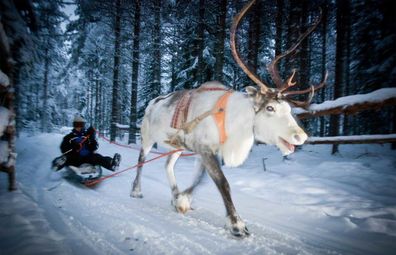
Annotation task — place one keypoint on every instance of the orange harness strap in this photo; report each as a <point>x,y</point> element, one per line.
<point>219,115</point>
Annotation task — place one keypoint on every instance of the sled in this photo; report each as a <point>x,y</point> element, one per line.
<point>83,173</point>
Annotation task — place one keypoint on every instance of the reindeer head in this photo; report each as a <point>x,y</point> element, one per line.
<point>274,122</point>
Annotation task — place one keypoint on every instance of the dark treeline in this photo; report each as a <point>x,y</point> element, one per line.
<point>115,56</point>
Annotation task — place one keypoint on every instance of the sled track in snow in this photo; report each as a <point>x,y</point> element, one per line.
<point>142,231</point>
<point>106,220</point>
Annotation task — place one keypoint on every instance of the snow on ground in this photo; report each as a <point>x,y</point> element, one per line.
<point>313,203</point>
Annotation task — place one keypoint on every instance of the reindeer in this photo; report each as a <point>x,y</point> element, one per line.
<point>262,114</point>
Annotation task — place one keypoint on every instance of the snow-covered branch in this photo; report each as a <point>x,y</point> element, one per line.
<point>350,104</point>
<point>354,139</point>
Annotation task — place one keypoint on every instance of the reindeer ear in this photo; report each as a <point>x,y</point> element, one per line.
<point>251,91</point>
<point>255,96</point>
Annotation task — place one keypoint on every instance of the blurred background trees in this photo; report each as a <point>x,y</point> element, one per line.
<point>108,59</point>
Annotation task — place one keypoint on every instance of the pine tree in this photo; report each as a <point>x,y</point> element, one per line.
<point>135,74</point>
<point>220,36</point>
<point>342,13</point>
<point>116,69</point>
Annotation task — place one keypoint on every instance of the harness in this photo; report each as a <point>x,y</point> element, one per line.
<point>179,119</point>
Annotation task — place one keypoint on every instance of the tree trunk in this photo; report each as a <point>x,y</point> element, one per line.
<point>292,36</point>
<point>322,92</point>
<point>347,90</point>
<point>342,12</point>
<point>7,94</point>
<point>156,84</point>
<point>91,97</point>
<point>200,42</point>
<point>279,27</point>
<point>97,102</point>
<point>135,74</point>
<point>44,117</point>
<point>116,85</point>
<point>304,49</point>
<point>220,36</point>
<point>394,127</point>
<point>254,38</point>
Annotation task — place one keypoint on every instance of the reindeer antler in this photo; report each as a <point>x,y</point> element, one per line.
<point>272,68</point>
<point>235,53</point>
<point>311,90</point>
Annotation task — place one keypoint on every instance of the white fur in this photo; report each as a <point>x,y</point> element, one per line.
<point>242,125</point>
<point>183,203</point>
<point>239,127</point>
<point>270,126</point>
<point>136,193</point>
<point>239,120</point>
<point>170,172</point>
<point>240,224</point>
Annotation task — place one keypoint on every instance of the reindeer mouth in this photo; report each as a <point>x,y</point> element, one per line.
<point>288,145</point>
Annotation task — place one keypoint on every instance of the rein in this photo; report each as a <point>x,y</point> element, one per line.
<point>93,182</point>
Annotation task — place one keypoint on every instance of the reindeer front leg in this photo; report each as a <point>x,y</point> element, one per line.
<point>181,201</point>
<point>236,225</point>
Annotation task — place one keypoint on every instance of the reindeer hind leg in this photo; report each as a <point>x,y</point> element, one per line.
<point>235,224</point>
<point>197,179</point>
<point>136,191</point>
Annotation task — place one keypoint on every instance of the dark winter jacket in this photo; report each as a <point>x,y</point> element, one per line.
<point>88,147</point>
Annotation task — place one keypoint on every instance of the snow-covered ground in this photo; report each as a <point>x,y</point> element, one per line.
<point>313,203</point>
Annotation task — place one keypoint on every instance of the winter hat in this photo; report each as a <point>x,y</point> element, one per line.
<point>78,119</point>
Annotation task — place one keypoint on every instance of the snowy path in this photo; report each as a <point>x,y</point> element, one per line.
<point>312,204</point>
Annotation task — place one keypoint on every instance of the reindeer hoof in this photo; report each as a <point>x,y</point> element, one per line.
<point>182,203</point>
<point>237,228</point>
<point>235,231</point>
<point>136,194</point>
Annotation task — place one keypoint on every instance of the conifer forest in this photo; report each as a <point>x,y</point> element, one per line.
<point>107,59</point>
<point>279,117</point>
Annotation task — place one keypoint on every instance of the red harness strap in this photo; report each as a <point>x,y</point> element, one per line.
<point>181,111</point>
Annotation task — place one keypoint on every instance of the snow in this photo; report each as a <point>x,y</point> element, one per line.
<point>352,138</point>
<point>122,126</point>
<point>313,203</point>
<point>376,96</point>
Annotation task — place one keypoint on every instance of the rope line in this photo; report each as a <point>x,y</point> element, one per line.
<point>138,149</point>
<point>161,155</point>
<point>93,182</point>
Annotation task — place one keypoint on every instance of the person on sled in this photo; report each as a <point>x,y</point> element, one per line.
<point>79,147</point>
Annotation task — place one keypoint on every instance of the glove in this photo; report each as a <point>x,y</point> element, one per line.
<point>91,131</point>
<point>92,144</point>
<point>76,146</point>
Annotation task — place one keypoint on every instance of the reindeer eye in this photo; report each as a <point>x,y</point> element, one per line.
<point>270,108</point>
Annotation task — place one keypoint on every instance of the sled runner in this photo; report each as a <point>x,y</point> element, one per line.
<point>85,172</point>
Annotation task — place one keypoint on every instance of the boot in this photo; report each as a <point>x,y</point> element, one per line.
<point>58,163</point>
<point>115,162</point>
